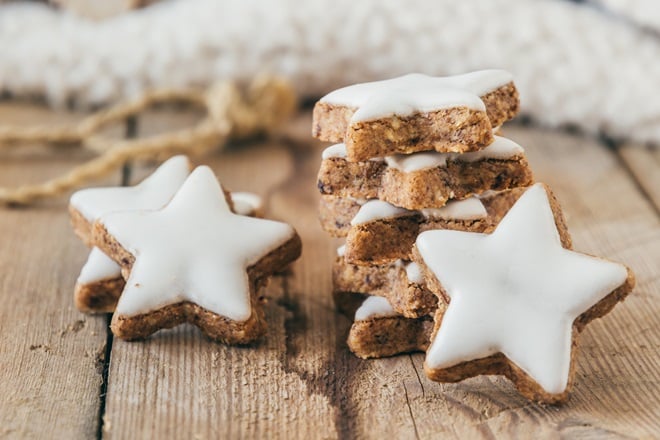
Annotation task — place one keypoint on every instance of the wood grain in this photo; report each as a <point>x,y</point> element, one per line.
<point>50,354</point>
<point>644,163</point>
<point>301,381</point>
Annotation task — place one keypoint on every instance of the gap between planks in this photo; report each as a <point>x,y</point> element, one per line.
<point>130,132</point>
<point>50,354</point>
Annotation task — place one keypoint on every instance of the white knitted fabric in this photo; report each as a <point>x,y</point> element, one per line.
<point>574,63</point>
<point>641,12</point>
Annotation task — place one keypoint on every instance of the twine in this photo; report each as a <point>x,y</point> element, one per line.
<point>265,104</point>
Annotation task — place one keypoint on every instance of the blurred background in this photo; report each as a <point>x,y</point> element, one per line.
<point>592,65</point>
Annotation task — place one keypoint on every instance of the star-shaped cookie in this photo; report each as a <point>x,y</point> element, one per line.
<point>194,261</point>
<point>425,180</point>
<point>417,112</point>
<point>87,205</point>
<point>100,283</point>
<point>379,331</point>
<point>517,299</point>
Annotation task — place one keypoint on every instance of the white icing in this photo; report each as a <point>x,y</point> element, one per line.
<point>414,273</point>
<point>336,150</point>
<point>468,209</point>
<point>417,161</point>
<point>339,151</point>
<point>516,291</point>
<point>374,209</point>
<point>246,203</point>
<point>155,191</point>
<point>99,267</point>
<point>501,148</point>
<point>415,93</point>
<point>377,209</point>
<point>341,250</point>
<point>374,306</point>
<point>152,193</point>
<point>194,249</point>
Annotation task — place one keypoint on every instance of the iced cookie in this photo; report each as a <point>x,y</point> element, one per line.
<point>87,205</point>
<point>247,203</point>
<point>194,261</point>
<point>417,113</point>
<point>401,282</point>
<point>518,298</point>
<point>379,331</point>
<point>378,232</point>
<point>100,282</point>
<point>425,180</point>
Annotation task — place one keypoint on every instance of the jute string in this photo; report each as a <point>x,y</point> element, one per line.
<point>230,112</point>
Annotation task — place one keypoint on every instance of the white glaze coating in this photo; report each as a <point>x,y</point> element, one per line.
<point>339,151</point>
<point>414,273</point>
<point>336,150</point>
<point>516,291</point>
<point>467,209</point>
<point>152,193</point>
<point>246,203</point>
<point>99,267</point>
<point>341,250</point>
<point>501,148</point>
<point>375,209</point>
<point>417,161</point>
<point>416,93</point>
<point>373,307</point>
<point>194,249</point>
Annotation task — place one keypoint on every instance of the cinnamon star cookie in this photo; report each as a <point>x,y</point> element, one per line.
<point>194,261</point>
<point>518,298</point>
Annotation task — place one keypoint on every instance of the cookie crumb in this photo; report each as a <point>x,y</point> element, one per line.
<point>74,328</point>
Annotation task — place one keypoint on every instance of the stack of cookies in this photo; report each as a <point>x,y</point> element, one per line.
<point>446,236</point>
<point>415,153</point>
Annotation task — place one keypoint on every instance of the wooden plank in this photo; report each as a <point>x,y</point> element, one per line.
<point>301,381</point>
<point>644,163</point>
<point>51,355</point>
<point>178,384</point>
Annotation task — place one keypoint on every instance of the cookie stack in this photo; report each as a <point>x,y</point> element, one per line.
<point>435,206</point>
<point>416,153</point>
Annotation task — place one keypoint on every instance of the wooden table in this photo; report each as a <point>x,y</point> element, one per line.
<point>62,375</point>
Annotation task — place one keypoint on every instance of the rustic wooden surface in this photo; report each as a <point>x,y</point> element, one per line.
<point>51,356</point>
<point>58,379</point>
